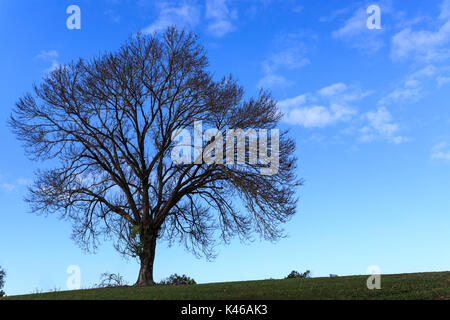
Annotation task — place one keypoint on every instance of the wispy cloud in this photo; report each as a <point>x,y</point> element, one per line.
<point>9,186</point>
<point>333,90</point>
<point>409,91</point>
<point>441,151</point>
<point>354,26</point>
<point>337,104</point>
<point>318,116</point>
<point>291,54</point>
<point>412,88</point>
<point>442,80</point>
<point>417,84</point>
<point>424,44</point>
<point>335,14</point>
<point>421,44</point>
<point>273,80</point>
<point>112,15</point>
<point>291,58</point>
<point>49,56</point>
<point>427,51</point>
<point>182,15</point>
<point>220,17</point>
<point>445,10</point>
<point>354,31</point>
<point>325,107</point>
<point>380,125</point>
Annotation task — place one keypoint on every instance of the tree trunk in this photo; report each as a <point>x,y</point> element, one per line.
<point>147,258</point>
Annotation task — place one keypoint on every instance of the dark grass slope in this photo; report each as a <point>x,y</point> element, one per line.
<point>431,285</point>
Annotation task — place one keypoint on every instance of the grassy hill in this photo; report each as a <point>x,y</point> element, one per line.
<point>431,285</point>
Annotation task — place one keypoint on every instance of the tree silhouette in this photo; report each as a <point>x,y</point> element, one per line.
<point>2,281</point>
<point>109,126</point>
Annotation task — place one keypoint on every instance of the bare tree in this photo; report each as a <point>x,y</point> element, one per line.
<point>108,125</point>
<point>108,280</point>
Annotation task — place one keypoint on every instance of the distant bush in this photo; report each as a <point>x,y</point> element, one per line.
<point>177,280</point>
<point>296,274</point>
<point>2,281</point>
<point>109,280</point>
<point>37,291</point>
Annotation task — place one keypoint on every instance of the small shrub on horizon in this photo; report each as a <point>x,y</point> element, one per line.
<point>295,274</point>
<point>177,280</point>
<point>109,280</point>
<point>2,281</point>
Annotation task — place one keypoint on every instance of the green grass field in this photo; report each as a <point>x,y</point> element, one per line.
<point>431,285</point>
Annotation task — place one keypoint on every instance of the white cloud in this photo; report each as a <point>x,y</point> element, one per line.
<point>334,104</point>
<point>7,187</point>
<point>53,67</point>
<point>421,45</point>
<point>290,58</point>
<point>188,14</point>
<point>328,106</point>
<point>293,102</point>
<point>441,151</point>
<point>410,91</point>
<point>318,116</point>
<point>219,28</point>
<point>49,56</point>
<point>333,89</point>
<point>445,10</point>
<point>273,80</point>
<point>220,17</point>
<point>380,125</point>
<point>24,182</point>
<point>335,14</point>
<point>441,80</point>
<point>342,94</point>
<point>411,88</point>
<point>184,15</point>
<point>290,55</point>
<point>427,71</point>
<point>381,121</point>
<point>426,48</point>
<point>424,45</point>
<point>354,26</point>
<point>355,32</point>
<point>314,116</point>
<point>11,186</point>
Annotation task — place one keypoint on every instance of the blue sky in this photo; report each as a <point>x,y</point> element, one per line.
<point>369,110</point>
